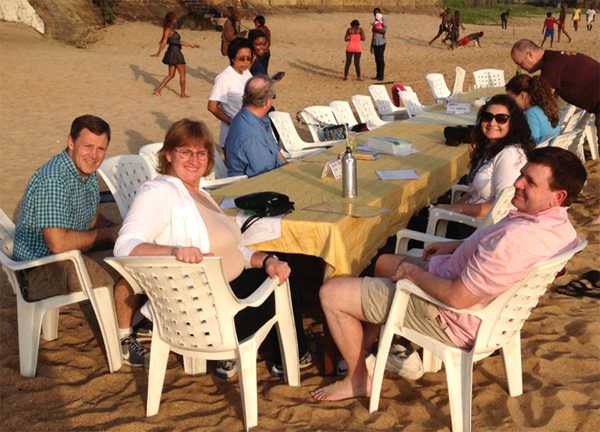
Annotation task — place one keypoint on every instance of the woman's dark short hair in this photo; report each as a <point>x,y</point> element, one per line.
<point>94,124</point>
<point>169,18</point>
<point>355,23</point>
<point>184,132</point>
<point>260,19</point>
<point>255,35</point>
<point>518,134</point>
<point>568,173</point>
<point>236,45</point>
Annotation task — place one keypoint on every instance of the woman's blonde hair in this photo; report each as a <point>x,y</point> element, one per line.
<point>184,132</point>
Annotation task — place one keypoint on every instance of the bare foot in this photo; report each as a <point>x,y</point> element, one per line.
<point>184,95</point>
<point>343,389</point>
<point>156,93</point>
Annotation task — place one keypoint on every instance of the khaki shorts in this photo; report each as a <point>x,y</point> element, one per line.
<point>61,278</point>
<point>376,298</point>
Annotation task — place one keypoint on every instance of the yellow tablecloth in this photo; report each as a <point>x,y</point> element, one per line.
<point>347,243</point>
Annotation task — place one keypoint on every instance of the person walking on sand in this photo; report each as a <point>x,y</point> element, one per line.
<point>504,19</point>
<point>354,36</point>
<point>590,17</point>
<point>562,22</point>
<point>173,57</point>
<point>548,28</point>
<point>576,18</point>
<point>443,28</point>
<point>455,28</point>
<point>378,29</point>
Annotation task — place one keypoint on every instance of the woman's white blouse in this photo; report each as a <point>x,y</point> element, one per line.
<point>496,174</point>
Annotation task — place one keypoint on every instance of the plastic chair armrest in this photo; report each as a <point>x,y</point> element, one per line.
<point>457,191</point>
<point>404,235</point>
<point>438,214</point>
<point>261,294</point>
<point>72,255</point>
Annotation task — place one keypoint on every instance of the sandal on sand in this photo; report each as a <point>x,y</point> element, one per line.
<point>579,288</point>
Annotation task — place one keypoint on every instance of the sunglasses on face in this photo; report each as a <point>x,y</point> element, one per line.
<point>244,59</point>
<point>487,117</point>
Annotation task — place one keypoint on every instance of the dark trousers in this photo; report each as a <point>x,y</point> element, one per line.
<point>349,56</point>
<point>378,51</point>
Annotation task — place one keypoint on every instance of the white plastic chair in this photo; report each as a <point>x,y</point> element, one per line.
<point>217,178</point>
<point>343,113</point>
<point>459,81</point>
<point>386,108</point>
<point>501,323</point>
<point>572,141</point>
<point>123,175</point>
<point>485,78</point>
<point>42,315</point>
<point>565,113</point>
<point>194,308</point>
<point>439,218</point>
<point>291,141</point>
<point>438,87</point>
<point>312,115</point>
<point>591,136</point>
<point>411,102</point>
<point>366,112</point>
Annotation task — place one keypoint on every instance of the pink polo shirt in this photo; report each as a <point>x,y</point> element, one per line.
<point>496,257</point>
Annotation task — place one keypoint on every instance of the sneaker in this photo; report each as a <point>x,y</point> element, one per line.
<point>143,330</point>
<point>405,362</point>
<point>133,353</point>
<point>305,361</point>
<point>226,369</point>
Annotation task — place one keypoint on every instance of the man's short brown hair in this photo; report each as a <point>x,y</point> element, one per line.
<point>94,124</point>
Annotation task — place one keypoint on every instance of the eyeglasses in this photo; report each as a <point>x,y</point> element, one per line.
<point>487,117</point>
<point>244,59</point>
<point>187,154</point>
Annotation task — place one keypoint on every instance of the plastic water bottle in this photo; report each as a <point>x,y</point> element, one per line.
<point>349,178</point>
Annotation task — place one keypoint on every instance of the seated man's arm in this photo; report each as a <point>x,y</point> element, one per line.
<point>62,239</point>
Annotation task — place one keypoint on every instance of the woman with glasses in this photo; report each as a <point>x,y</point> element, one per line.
<point>172,216</point>
<point>535,98</point>
<point>225,99</point>
<point>173,57</point>
<point>501,142</point>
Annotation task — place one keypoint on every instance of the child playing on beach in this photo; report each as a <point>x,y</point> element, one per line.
<point>548,29</point>
<point>562,22</point>
<point>473,37</point>
<point>590,17</point>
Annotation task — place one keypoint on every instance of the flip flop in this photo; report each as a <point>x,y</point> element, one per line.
<point>578,288</point>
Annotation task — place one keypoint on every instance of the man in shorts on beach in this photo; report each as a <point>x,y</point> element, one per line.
<point>548,29</point>
<point>58,213</point>
<point>460,274</point>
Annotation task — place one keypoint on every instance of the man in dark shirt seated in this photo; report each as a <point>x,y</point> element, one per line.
<point>575,77</point>
<point>250,147</point>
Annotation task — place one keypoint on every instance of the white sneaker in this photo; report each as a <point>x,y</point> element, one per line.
<point>405,363</point>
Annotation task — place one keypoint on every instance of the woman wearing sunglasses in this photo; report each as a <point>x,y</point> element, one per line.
<point>225,99</point>
<point>535,98</point>
<point>501,141</point>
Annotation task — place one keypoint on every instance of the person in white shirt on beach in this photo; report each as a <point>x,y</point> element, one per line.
<point>225,99</point>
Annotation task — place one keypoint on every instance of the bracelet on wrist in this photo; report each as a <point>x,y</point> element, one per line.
<point>264,261</point>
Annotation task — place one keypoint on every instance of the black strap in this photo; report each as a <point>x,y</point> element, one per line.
<point>249,222</point>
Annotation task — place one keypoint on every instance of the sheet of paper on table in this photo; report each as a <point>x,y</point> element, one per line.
<point>409,174</point>
<point>391,145</point>
<point>332,168</point>
<point>458,108</point>
<point>227,203</point>
<point>264,229</point>
<point>347,209</point>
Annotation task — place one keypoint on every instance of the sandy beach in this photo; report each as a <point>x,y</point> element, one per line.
<point>47,83</point>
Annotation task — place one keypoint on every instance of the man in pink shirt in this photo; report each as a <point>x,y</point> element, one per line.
<point>459,274</point>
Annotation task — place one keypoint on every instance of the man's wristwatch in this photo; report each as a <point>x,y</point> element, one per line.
<point>264,261</point>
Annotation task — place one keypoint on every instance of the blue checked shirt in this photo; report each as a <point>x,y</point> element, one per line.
<point>56,197</point>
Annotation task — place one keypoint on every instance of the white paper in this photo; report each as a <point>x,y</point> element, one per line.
<point>458,108</point>
<point>366,149</point>
<point>409,174</point>
<point>227,203</point>
<point>391,145</point>
<point>332,168</point>
<point>264,229</point>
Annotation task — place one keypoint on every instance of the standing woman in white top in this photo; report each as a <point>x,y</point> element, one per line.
<point>225,99</point>
<point>502,140</point>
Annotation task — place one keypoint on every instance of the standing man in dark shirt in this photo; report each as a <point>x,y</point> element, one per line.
<point>574,77</point>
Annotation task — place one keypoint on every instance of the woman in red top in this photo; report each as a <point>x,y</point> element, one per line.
<point>354,36</point>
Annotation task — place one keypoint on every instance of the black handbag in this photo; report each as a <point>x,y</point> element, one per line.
<point>263,204</point>
<point>325,131</point>
<point>456,135</point>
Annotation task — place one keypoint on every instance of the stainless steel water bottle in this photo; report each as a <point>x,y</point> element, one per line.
<point>349,178</point>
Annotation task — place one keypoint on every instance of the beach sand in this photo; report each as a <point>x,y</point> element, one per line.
<point>45,84</point>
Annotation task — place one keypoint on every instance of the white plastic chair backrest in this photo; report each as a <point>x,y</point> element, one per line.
<point>505,315</point>
<point>411,102</point>
<point>123,175</point>
<point>572,141</point>
<point>150,153</point>
<point>382,99</point>
<point>565,113</point>
<point>366,111</point>
<point>574,121</point>
<point>193,306</point>
<point>485,78</point>
<point>501,206</point>
<point>459,80</point>
<point>438,86</point>
<point>343,113</point>
<point>288,134</point>
<point>312,115</point>
<point>7,234</point>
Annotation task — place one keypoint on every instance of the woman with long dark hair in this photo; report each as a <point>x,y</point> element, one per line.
<point>535,98</point>
<point>173,57</point>
<point>501,142</point>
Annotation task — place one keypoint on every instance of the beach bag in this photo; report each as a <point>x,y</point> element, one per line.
<point>360,127</point>
<point>397,87</point>
<point>263,204</point>
<point>325,131</point>
<point>456,135</point>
